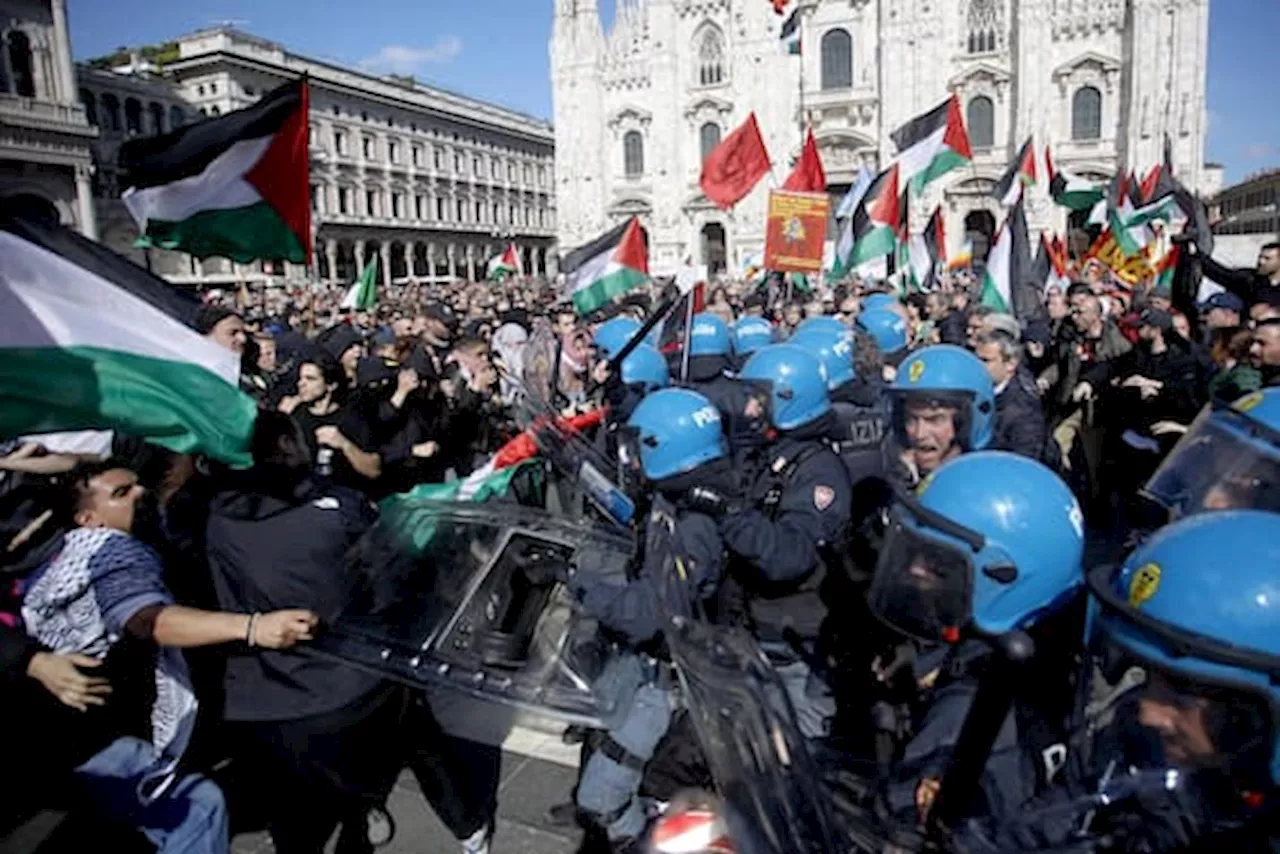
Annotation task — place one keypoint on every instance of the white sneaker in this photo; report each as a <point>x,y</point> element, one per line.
<point>478,842</point>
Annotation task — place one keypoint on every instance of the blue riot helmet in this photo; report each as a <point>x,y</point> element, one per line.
<point>796,381</point>
<point>991,542</point>
<point>887,328</point>
<point>935,379</point>
<point>613,335</point>
<point>1186,635</point>
<point>833,349</point>
<point>878,301</point>
<point>675,431</point>
<point>645,367</point>
<point>749,334</point>
<point>824,322</point>
<point>709,337</point>
<point>1228,459</point>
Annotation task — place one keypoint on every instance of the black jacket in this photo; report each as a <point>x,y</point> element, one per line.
<point>1249,285</point>
<point>268,551</point>
<point>1020,420</point>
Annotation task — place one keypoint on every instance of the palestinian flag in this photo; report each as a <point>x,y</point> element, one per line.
<point>1008,268</point>
<point>1167,267</point>
<point>1020,174</point>
<point>789,36</point>
<point>1071,191</point>
<point>363,295</point>
<point>872,230</point>
<point>90,341</point>
<point>608,266</point>
<point>931,145</point>
<point>1049,267</point>
<point>929,252</point>
<point>506,264</point>
<point>235,186</point>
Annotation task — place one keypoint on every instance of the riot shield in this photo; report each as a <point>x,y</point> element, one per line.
<point>466,596</point>
<point>777,803</point>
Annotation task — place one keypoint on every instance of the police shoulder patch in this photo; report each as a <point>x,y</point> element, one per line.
<point>823,497</point>
<point>1144,584</point>
<point>916,371</point>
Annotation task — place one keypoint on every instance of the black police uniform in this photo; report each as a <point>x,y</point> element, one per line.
<point>862,420</point>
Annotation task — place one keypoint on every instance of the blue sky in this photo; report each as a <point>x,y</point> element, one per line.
<point>497,50</point>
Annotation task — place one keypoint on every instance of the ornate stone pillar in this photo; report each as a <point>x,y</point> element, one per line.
<point>451,257</point>
<point>331,257</point>
<point>84,196</point>
<point>63,68</point>
<point>408,258</point>
<point>431,261</point>
<point>360,259</point>
<point>471,261</point>
<point>386,263</point>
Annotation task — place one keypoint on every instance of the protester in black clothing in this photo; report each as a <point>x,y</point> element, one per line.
<point>331,738</point>
<point>1249,285</point>
<point>341,443</point>
<point>1265,349</point>
<point>1020,423</point>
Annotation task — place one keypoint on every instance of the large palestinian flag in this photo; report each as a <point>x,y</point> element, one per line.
<point>607,267</point>
<point>89,340</point>
<point>1007,283</point>
<point>235,186</point>
<point>931,145</point>
<point>872,231</point>
<point>507,263</point>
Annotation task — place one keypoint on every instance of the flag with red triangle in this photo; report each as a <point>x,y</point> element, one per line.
<point>932,144</point>
<point>872,230</point>
<point>235,186</point>
<point>506,263</point>
<point>808,175</point>
<point>1020,174</point>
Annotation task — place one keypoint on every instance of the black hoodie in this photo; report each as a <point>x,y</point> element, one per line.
<point>272,547</point>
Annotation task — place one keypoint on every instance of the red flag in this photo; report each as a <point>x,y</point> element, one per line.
<point>736,165</point>
<point>779,6</point>
<point>1149,183</point>
<point>807,177</point>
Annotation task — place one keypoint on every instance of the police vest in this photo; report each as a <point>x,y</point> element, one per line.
<point>860,431</point>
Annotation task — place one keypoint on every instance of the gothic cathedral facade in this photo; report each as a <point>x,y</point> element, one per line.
<point>638,106</point>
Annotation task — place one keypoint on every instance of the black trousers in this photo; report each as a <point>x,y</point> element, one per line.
<point>331,769</point>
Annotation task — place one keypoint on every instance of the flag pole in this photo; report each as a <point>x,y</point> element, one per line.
<point>801,78</point>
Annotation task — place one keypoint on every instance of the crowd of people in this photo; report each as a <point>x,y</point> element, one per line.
<point>155,603</point>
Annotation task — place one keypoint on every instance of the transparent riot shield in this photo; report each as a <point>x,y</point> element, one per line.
<point>466,596</point>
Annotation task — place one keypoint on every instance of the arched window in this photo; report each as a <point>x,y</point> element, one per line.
<point>985,23</point>
<point>981,118</point>
<point>24,81</point>
<point>90,106</point>
<point>215,110</point>
<point>176,118</point>
<point>157,117</point>
<point>711,57</point>
<point>633,154</point>
<point>709,138</point>
<point>1086,113</point>
<point>837,60</point>
<point>111,112</point>
<point>132,116</point>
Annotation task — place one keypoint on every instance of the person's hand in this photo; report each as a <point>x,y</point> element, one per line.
<point>709,502</point>
<point>60,675</point>
<point>1043,384</point>
<point>282,629</point>
<point>1150,389</point>
<point>406,381</point>
<point>926,794</point>
<point>331,437</point>
<point>1083,391</point>
<point>423,450</point>
<point>288,404</point>
<point>889,372</point>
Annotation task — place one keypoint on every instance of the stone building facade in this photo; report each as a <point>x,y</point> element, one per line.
<point>637,108</point>
<point>45,138</point>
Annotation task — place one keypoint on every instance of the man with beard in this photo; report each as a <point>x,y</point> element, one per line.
<point>102,595</point>
<point>1265,349</point>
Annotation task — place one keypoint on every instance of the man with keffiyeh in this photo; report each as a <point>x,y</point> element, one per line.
<point>101,595</point>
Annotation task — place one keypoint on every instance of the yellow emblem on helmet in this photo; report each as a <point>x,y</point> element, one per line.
<point>1249,401</point>
<point>1144,584</point>
<point>916,371</point>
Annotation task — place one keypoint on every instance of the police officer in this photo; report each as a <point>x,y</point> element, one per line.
<point>861,414</point>
<point>942,403</point>
<point>889,330</point>
<point>796,516</point>
<point>740,405</point>
<point>680,445</point>
<point>992,544</point>
<point>642,372</point>
<point>612,335</point>
<point>748,335</point>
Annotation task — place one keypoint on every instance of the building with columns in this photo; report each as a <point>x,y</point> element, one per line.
<point>45,138</point>
<point>637,108</point>
<point>428,183</point>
